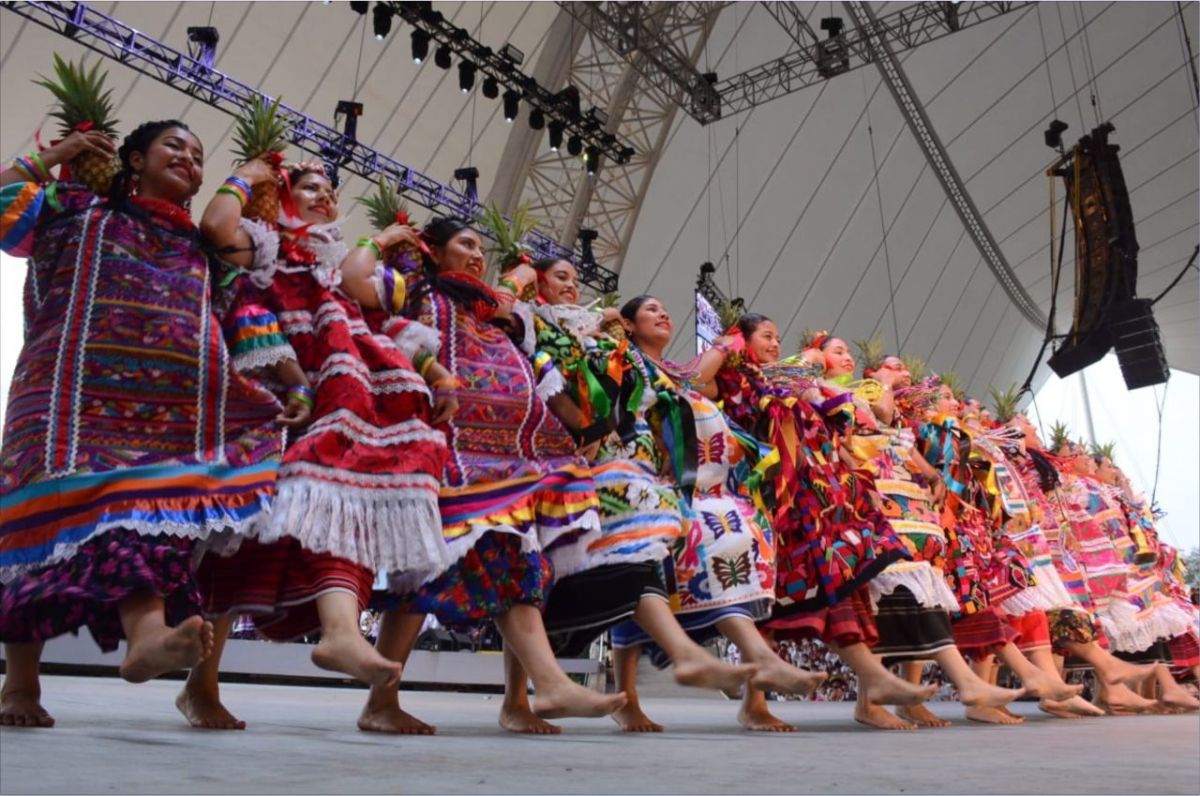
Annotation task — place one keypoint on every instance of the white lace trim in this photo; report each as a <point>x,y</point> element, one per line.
<point>266,251</point>
<point>413,337</point>
<point>1048,594</point>
<point>919,577</point>
<point>305,322</point>
<point>212,529</point>
<point>350,425</point>
<point>324,241</point>
<point>376,381</point>
<point>551,384</point>
<point>1128,631</point>
<point>258,358</point>
<point>528,342</point>
<point>391,529</point>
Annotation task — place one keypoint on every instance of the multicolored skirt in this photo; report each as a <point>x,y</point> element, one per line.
<point>583,606</point>
<point>982,634</point>
<point>86,589</point>
<point>908,629</point>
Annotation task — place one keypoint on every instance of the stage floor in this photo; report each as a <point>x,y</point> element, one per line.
<point>115,737</point>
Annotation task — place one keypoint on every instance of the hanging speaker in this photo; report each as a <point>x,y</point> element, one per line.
<point>1139,346</point>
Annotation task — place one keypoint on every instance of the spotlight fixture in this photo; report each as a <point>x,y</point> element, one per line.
<point>202,45</point>
<point>627,154</point>
<point>593,161</point>
<point>586,238</point>
<point>358,7</point>
<point>574,146</point>
<point>1053,134</point>
<point>441,57</point>
<point>466,76</point>
<point>537,119</point>
<point>381,21</point>
<point>511,54</point>
<point>469,175</point>
<point>420,45</point>
<point>491,87</point>
<point>556,135</point>
<point>351,110</point>
<point>512,100</point>
<point>595,119</point>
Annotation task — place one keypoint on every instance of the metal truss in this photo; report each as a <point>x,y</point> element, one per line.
<point>114,39</point>
<point>641,110</point>
<point>909,27</point>
<point>876,37</point>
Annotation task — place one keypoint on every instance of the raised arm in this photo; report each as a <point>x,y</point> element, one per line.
<point>36,166</point>
<point>221,223</point>
<point>358,269</point>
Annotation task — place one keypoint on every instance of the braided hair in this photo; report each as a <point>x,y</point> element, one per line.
<point>438,232</point>
<point>138,141</point>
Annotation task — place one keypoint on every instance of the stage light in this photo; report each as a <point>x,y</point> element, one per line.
<point>442,57</point>
<point>592,160</point>
<point>537,119</point>
<point>574,145</point>
<point>627,154</point>
<point>466,76</point>
<point>512,101</point>
<point>491,88</point>
<point>382,21</point>
<point>556,135</point>
<point>420,45</point>
<point>511,54</point>
<point>469,175</point>
<point>359,8</point>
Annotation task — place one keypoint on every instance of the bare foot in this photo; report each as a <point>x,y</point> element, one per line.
<point>775,675</point>
<point>708,671</point>
<point>888,689</point>
<point>759,719</point>
<point>204,710</point>
<point>1059,710</point>
<point>21,708</point>
<point>353,655</point>
<point>1079,706</point>
<point>630,718</point>
<point>166,650</point>
<point>880,718</point>
<point>523,720</point>
<point>1131,674</point>
<point>992,716</point>
<point>1118,700</point>
<point>977,693</point>
<point>383,714</point>
<point>1177,697</point>
<point>1043,686</point>
<point>572,699</point>
<point>921,716</point>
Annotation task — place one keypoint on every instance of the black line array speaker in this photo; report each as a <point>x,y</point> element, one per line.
<point>1139,347</point>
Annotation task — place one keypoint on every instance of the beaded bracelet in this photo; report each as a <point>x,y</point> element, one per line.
<point>237,188</point>
<point>369,243</point>
<point>32,167</point>
<point>239,182</point>
<point>446,383</point>
<point>510,285</point>
<point>302,394</point>
<point>423,361</point>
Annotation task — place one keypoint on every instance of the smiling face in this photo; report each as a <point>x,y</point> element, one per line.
<point>651,326</point>
<point>462,253</point>
<point>893,373</point>
<point>946,403</point>
<point>764,342</point>
<point>171,168</point>
<point>838,360</point>
<point>559,284</point>
<point>315,198</point>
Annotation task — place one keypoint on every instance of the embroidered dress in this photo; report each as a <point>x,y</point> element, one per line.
<point>358,486</point>
<point>515,497</point>
<point>639,512</point>
<point>832,540</point>
<point>128,436</point>
<point>724,566</point>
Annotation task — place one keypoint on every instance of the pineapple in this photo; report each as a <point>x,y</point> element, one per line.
<point>1059,436</point>
<point>1107,450</point>
<point>1004,404</point>
<point>808,337</point>
<point>730,312</point>
<point>916,367</point>
<point>870,353</point>
<point>951,380</point>
<point>509,249</point>
<point>261,133</point>
<point>84,104</point>
<point>384,207</point>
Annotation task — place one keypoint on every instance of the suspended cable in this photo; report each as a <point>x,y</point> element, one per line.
<point>1046,58</point>
<point>211,6</point>
<point>887,260</point>
<point>1090,64</point>
<point>1158,448</point>
<point>1070,63</point>
<point>1191,60</point>
<point>358,66</point>
<point>912,260</point>
<point>1175,281</point>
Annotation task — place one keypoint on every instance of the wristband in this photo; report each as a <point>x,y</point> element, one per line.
<point>510,285</point>
<point>238,182</point>
<point>369,243</point>
<point>302,394</point>
<point>446,384</point>
<point>235,193</point>
<point>237,188</point>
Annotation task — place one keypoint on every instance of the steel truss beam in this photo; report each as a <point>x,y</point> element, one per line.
<point>114,39</point>
<point>875,36</point>
<point>909,27</point>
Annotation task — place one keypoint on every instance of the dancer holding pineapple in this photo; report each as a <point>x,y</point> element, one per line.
<point>115,458</point>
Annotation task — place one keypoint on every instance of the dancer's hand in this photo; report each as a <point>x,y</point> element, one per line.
<point>444,407</point>
<point>76,144</point>
<point>256,171</point>
<point>399,235</point>
<point>296,413</point>
<point>591,450</point>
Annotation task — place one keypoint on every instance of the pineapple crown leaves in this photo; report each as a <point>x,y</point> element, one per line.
<point>950,379</point>
<point>1004,404</point>
<point>610,300</point>
<point>81,96</point>
<point>871,353</point>
<point>730,312</point>
<point>811,338</point>
<point>1059,435</point>
<point>259,132</point>
<point>508,235</point>
<point>916,367</point>
<point>1107,450</point>
<point>384,205</point>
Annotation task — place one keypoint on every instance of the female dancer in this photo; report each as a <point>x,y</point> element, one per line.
<point>724,570</point>
<point>128,435</point>
<point>514,493</point>
<point>358,489</point>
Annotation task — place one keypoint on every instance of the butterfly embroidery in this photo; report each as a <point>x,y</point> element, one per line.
<point>731,571</point>
<point>721,524</point>
<point>712,450</point>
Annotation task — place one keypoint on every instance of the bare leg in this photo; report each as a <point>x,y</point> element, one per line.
<point>973,690</point>
<point>919,715</point>
<point>398,633</point>
<point>516,714</point>
<point>1110,669</point>
<point>691,664</point>
<point>1040,682</point>
<point>868,713</point>
<point>154,649</point>
<point>631,717</point>
<point>200,699</point>
<point>882,687</point>
<point>1173,694</point>
<point>342,647</point>
<point>756,716</point>
<point>773,673</point>
<point>555,695</point>
<point>21,696</point>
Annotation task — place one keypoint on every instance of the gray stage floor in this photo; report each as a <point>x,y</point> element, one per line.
<point>114,737</point>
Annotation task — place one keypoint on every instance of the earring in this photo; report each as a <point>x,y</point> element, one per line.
<point>135,184</point>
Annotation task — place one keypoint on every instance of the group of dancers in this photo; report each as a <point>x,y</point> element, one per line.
<point>245,416</point>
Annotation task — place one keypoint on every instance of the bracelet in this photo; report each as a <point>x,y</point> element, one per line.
<point>32,167</point>
<point>369,243</point>
<point>302,394</point>
<point>423,361</point>
<point>235,193</point>
<point>510,285</point>
<point>446,384</point>
<point>724,349</point>
<point>239,182</point>
<point>237,188</point>
<point>41,166</point>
